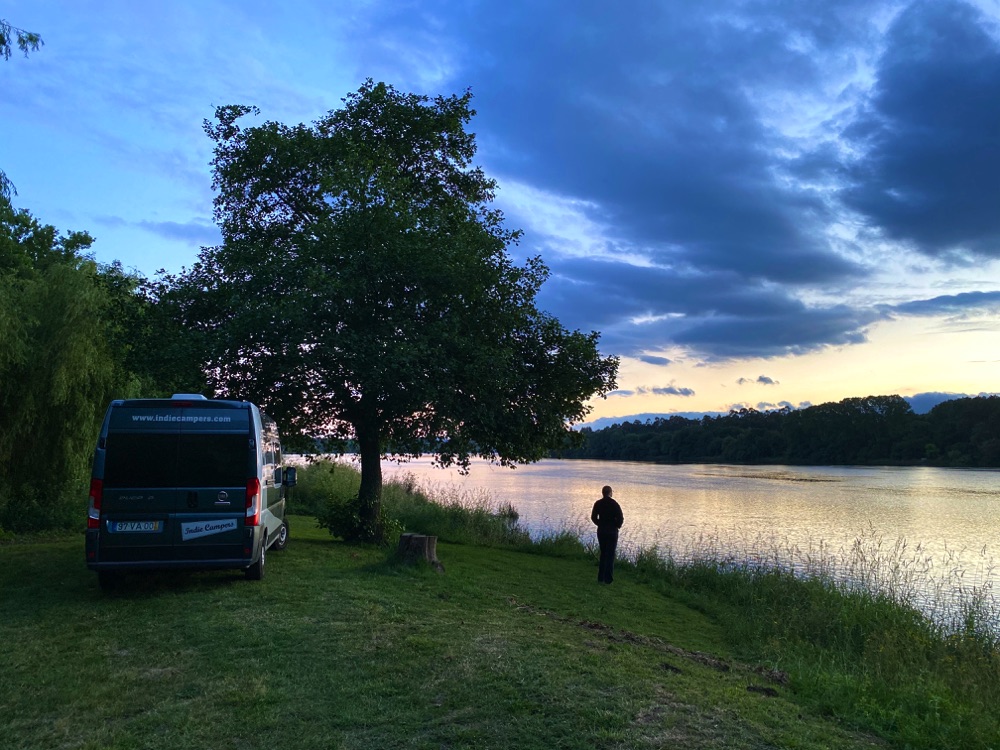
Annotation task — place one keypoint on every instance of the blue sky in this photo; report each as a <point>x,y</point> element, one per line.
<point>756,202</point>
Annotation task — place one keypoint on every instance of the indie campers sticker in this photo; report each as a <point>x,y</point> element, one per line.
<point>196,529</point>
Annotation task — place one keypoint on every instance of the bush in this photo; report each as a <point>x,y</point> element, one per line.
<point>320,482</point>
<point>342,517</point>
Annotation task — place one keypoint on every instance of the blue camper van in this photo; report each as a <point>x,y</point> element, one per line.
<point>185,482</point>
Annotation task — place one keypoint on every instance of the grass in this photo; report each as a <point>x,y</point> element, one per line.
<point>514,645</point>
<point>340,648</point>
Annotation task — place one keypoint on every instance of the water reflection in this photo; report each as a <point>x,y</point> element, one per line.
<point>932,529</point>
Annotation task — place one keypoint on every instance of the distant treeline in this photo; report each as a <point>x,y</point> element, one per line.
<point>876,430</point>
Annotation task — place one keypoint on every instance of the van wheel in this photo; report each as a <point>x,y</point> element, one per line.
<point>282,541</point>
<point>108,580</point>
<point>256,571</point>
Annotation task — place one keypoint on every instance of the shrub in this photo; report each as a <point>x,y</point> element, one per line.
<point>342,517</point>
<point>320,482</point>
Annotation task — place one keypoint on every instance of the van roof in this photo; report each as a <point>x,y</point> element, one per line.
<point>180,401</point>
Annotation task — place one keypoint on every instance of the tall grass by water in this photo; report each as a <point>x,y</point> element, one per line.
<point>847,627</point>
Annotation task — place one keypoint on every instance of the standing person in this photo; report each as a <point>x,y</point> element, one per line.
<point>607,516</point>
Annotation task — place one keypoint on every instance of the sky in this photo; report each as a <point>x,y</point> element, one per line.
<point>757,203</point>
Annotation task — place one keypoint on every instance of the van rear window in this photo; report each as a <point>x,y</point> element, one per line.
<point>177,460</point>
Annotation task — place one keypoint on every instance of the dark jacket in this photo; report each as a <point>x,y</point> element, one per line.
<point>607,514</point>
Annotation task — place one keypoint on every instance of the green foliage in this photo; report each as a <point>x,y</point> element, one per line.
<point>344,520</point>
<point>24,40</point>
<point>875,430</point>
<point>321,481</point>
<point>328,490</point>
<point>73,335</point>
<point>364,290</point>
<point>57,371</point>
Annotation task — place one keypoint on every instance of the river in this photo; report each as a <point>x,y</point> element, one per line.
<point>925,534</point>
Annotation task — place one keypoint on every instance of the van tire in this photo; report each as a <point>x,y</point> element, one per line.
<point>256,571</point>
<point>282,541</point>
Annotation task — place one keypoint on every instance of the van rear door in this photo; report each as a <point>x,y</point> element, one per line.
<point>175,480</point>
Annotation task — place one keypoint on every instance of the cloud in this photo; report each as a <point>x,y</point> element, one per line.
<point>921,403</point>
<point>927,172</point>
<point>695,182</point>
<point>768,406</point>
<point>652,360</point>
<point>988,302</point>
<point>717,315</point>
<point>669,390</point>
<point>195,231</point>
<point>760,380</point>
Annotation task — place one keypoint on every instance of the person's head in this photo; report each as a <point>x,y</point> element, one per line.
<point>606,490</point>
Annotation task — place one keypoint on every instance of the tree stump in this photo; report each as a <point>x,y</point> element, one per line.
<point>414,547</point>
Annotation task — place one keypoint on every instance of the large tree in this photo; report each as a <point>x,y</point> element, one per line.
<point>364,290</point>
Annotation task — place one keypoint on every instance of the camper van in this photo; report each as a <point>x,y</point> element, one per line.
<point>185,482</point>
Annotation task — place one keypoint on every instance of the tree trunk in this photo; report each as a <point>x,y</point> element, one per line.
<point>370,493</point>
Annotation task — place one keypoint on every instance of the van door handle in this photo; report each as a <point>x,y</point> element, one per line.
<point>192,500</point>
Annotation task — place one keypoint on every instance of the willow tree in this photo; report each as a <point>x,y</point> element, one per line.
<point>57,371</point>
<point>364,291</point>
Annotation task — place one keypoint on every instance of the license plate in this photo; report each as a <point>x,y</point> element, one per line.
<point>132,527</point>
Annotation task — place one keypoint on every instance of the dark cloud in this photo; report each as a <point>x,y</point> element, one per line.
<point>651,118</point>
<point>651,360</point>
<point>760,380</point>
<point>669,390</point>
<point>717,315</point>
<point>928,176</point>
<point>950,304</point>
<point>642,390</point>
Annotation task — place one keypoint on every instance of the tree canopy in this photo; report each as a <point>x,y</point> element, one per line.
<point>364,290</point>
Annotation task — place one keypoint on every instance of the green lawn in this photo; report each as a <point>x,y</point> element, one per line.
<point>337,648</point>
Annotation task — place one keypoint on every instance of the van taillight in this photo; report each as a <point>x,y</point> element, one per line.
<point>253,502</point>
<point>94,512</point>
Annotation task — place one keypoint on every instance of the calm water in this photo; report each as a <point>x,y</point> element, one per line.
<point>929,533</point>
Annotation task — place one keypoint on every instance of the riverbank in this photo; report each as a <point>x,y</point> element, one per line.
<point>339,647</point>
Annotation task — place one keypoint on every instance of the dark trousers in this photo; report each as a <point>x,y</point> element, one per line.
<point>607,538</point>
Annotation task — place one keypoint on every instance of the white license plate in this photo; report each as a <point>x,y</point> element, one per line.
<point>141,527</point>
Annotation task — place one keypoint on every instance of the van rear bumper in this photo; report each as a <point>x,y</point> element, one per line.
<point>171,564</point>
<point>166,557</point>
